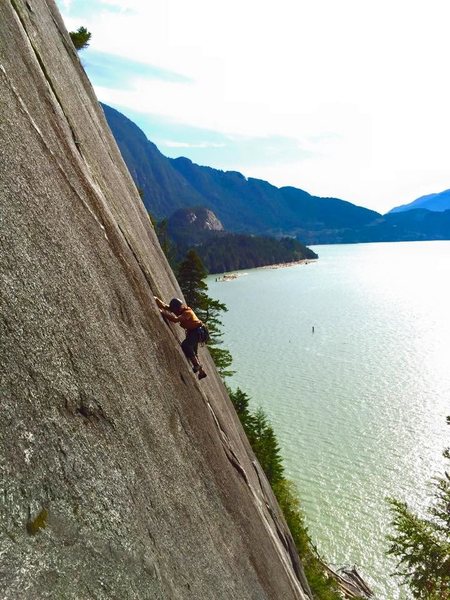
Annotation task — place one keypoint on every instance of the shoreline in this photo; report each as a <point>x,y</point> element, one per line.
<point>232,275</point>
<point>302,261</point>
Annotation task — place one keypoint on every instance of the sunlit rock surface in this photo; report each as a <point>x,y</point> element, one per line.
<point>122,476</point>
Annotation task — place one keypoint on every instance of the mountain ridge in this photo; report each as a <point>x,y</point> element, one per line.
<point>266,209</point>
<point>254,206</point>
<point>438,202</point>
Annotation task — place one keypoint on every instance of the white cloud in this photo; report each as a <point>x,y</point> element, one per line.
<point>173,144</point>
<point>364,85</point>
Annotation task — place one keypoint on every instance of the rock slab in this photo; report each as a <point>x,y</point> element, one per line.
<point>121,475</point>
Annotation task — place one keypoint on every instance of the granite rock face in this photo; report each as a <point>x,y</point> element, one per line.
<point>203,219</point>
<point>121,475</point>
<point>196,219</point>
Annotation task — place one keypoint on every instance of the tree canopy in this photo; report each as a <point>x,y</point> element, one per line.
<point>422,544</point>
<point>80,38</point>
<point>191,274</point>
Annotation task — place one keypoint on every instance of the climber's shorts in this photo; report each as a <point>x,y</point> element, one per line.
<point>190,344</point>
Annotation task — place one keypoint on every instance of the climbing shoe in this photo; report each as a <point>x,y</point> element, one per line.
<point>196,368</point>
<point>201,374</point>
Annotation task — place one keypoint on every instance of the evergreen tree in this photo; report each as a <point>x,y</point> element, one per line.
<point>265,446</point>
<point>80,38</point>
<point>240,402</point>
<point>422,545</point>
<point>261,436</point>
<point>191,275</point>
<point>209,313</point>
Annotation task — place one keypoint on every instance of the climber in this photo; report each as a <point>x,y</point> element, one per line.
<point>177,312</point>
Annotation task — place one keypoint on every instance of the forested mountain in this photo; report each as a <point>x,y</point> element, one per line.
<point>437,202</point>
<point>235,251</point>
<point>222,251</point>
<point>253,205</point>
<point>242,204</point>
<point>411,225</point>
<point>248,205</point>
<point>163,190</point>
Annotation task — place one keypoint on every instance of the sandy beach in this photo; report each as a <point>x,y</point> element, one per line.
<point>303,261</point>
<point>234,275</point>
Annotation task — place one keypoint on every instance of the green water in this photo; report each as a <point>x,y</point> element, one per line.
<point>359,405</point>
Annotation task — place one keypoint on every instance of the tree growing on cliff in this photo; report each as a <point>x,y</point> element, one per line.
<point>80,38</point>
<point>422,545</point>
<point>266,448</point>
<point>210,314</point>
<point>191,275</point>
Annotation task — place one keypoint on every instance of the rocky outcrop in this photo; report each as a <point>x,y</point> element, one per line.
<point>197,218</point>
<point>122,476</point>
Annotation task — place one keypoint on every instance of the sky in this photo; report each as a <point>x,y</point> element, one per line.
<point>341,98</point>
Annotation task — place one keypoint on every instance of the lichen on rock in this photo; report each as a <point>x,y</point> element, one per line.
<point>38,522</point>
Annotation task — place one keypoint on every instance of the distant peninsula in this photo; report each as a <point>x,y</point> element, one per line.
<point>234,252</point>
<point>222,251</point>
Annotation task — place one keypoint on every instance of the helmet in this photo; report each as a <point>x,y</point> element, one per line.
<point>175,304</point>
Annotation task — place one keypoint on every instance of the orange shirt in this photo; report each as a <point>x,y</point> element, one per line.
<point>187,319</point>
